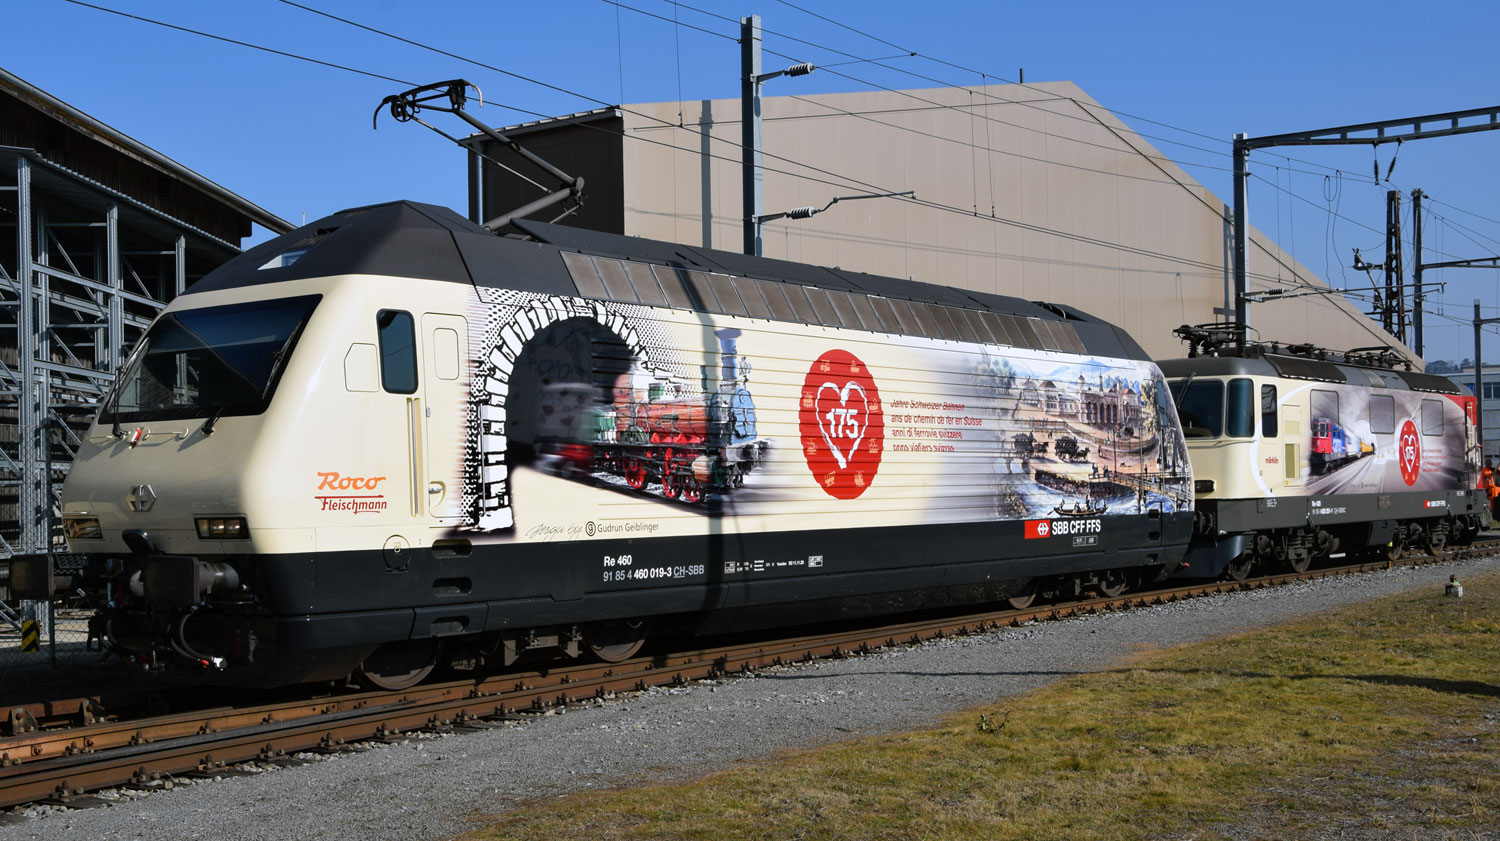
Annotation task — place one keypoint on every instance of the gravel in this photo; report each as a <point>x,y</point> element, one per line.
<point>436,786</point>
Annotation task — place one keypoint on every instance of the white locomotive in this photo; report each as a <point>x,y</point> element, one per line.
<point>1300,453</point>
<point>392,439</point>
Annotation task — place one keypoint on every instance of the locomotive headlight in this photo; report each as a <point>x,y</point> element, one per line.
<point>1203,486</point>
<point>222,528</point>
<point>82,528</point>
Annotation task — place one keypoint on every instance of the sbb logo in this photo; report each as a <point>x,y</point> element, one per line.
<point>1038,528</point>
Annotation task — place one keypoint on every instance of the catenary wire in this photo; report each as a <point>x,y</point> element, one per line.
<point>944,83</point>
<point>1093,121</point>
<point>1325,168</point>
<point>263,49</point>
<point>842,181</point>
<point>845,181</point>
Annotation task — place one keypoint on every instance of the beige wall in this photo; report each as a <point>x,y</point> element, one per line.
<point>1067,181</point>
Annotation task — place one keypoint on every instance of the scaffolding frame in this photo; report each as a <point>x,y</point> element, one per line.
<point>83,272</point>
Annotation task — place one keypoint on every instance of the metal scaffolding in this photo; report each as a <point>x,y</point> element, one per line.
<point>83,270</point>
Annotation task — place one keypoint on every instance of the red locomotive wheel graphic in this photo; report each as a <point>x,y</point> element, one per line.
<point>842,425</point>
<point>1409,453</point>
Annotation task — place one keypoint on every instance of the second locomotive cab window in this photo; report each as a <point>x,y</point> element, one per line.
<point>1325,408</point>
<point>1269,428</point>
<point>1200,406</point>
<point>1432,417</point>
<point>1382,414</point>
<point>398,351</point>
<point>1240,419</point>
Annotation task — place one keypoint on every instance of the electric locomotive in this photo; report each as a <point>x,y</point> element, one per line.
<point>1300,453</point>
<point>392,439</point>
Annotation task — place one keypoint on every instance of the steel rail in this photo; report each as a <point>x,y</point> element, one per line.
<point>61,765</point>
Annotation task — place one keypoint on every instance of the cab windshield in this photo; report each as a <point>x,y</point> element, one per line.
<point>209,362</point>
<point>1200,407</point>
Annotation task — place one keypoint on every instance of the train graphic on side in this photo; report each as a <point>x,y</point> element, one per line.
<point>654,436</point>
<point>1334,446</point>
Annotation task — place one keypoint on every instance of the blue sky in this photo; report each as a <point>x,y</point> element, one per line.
<point>296,138</point>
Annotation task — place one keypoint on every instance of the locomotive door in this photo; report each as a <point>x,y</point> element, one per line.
<point>1294,425</point>
<point>445,389</point>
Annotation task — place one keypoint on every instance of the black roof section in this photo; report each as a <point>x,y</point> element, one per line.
<point>409,239</point>
<point>1302,368</point>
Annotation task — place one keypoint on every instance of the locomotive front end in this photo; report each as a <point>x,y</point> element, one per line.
<point>159,500</point>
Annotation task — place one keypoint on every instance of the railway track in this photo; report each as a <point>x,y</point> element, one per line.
<point>59,751</point>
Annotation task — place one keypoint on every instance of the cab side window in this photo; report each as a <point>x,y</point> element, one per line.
<point>398,351</point>
<point>1432,417</point>
<point>1240,422</point>
<point>1382,414</point>
<point>1268,425</point>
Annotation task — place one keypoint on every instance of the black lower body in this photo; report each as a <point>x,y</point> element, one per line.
<point>1234,534</point>
<point>299,618</point>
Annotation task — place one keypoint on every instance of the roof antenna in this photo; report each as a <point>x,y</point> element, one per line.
<point>405,107</point>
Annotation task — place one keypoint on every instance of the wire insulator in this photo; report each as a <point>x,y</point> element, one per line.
<point>800,69</point>
<point>802,212</point>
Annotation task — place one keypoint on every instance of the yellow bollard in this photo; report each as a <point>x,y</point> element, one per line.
<point>31,636</point>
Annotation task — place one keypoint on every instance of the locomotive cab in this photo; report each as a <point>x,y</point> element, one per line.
<point>1297,459</point>
<point>181,496</point>
<point>1231,422</point>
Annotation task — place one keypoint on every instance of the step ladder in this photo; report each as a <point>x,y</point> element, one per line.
<point>10,617</point>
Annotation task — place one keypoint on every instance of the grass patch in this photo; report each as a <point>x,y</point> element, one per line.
<point>1382,715</point>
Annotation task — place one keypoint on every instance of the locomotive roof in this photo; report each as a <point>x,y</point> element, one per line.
<point>423,241</point>
<point>1303,368</point>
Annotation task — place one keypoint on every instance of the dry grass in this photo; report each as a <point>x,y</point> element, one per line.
<point>1380,717</point>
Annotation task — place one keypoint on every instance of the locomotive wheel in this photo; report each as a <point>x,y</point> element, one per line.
<point>615,640</point>
<point>398,665</point>
<point>1467,531</point>
<point>1112,583</point>
<point>1436,540</point>
<point>1024,597</point>
<point>1239,568</point>
<point>1298,563</point>
<point>635,472</point>
<point>1404,543</point>
<point>692,491</point>
<point>671,483</point>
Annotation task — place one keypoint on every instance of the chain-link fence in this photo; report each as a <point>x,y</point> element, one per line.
<point>43,634</point>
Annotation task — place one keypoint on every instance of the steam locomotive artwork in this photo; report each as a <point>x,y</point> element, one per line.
<point>655,438</point>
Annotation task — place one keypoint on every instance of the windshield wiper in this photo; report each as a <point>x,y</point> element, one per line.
<point>270,368</point>
<point>1181,392</point>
